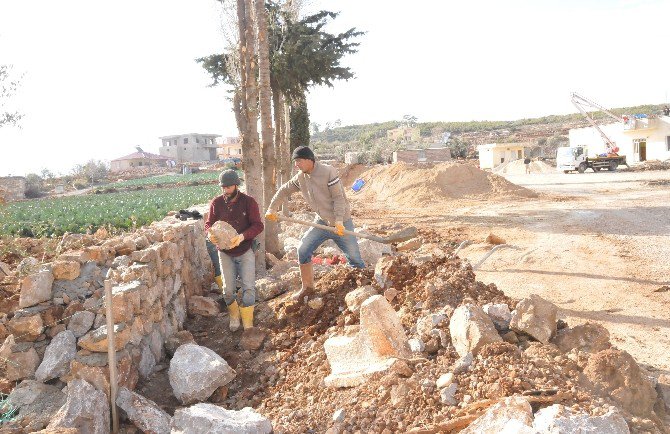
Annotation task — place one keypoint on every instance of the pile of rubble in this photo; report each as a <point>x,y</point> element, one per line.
<point>413,344</point>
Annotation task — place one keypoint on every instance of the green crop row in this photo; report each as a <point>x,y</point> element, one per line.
<point>87,213</point>
<point>201,177</point>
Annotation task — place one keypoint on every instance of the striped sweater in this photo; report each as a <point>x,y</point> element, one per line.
<point>323,191</point>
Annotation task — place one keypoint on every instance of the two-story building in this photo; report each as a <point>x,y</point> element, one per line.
<point>190,148</point>
<point>230,147</point>
<point>638,137</point>
<point>404,134</point>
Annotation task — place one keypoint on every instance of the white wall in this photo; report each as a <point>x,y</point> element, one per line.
<point>657,148</point>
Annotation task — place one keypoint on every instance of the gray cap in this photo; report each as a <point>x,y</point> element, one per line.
<point>229,177</point>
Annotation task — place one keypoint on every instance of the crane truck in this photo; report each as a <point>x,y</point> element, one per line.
<point>578,158</point>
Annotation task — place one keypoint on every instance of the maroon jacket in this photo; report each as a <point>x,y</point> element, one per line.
<point>242,214</point>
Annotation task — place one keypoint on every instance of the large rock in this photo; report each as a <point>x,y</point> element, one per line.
<point>86,409</point>
<point>536,317</point>
<point>354,299</point>
<point>126,300</point>
<point>380,340</point>
<point>144,413</point>
<point>96,340</point>
<point>499,314</point>
<point>471,329</point>
<point>35,403</point>
<point>371,251</point>
<point>36,288</point>
<point>382,268</point>
<point>615,373</point>
<point>512,415</point>
<point>560,419</point>
<point>196,372</point>
<point>57,357</point>
<point>209,418</point>
<point>26,328</point>
<point>588,337</point>
<point>18,365</point>
<point>204,306</point>
<point>81,322</point>
<point>66,270</point>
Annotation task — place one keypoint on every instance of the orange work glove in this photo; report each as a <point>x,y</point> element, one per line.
<point>339,228</point>
<point>273,217</point>
<point>236,241</point>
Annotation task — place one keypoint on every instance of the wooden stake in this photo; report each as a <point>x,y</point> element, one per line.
<point>111,353</point>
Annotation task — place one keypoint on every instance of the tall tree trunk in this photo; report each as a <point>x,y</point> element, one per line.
<point>269,159</point>
<point>251,153</point>
<point>284,145</point>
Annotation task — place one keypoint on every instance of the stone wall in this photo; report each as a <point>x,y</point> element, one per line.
<point>59,330</point>
<point>12,188</point>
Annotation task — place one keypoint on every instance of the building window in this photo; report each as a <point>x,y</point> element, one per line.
<point>175,142</point>
<point>197,140</point>
<point>186,140</point>
<point>667,143</point>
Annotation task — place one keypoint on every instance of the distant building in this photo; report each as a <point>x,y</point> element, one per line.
<point>230,148</point>
<point>428,155</point>
<point>12,188</point>
<point>495,154</point>
<point>404,134</point>
<point>137,160</point>
<point>190,148</point>
<point>639,138</point>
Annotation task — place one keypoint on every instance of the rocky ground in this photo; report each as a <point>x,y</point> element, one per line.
<point>470,345</point>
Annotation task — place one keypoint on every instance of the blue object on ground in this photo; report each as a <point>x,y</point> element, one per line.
<point>358,184</point>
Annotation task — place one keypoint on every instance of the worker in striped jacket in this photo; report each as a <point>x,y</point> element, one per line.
<point>322,189</point>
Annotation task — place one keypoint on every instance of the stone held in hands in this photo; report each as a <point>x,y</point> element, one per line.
<point>223,233</point>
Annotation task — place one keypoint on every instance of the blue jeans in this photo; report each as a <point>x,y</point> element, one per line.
<point>314,237</point>
<point>244,267</point>
<point>214,256</point>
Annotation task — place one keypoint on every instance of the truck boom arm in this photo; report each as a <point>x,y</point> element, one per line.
<point>579,102</point>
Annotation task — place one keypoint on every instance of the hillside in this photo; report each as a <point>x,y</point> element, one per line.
<point>546,133</point>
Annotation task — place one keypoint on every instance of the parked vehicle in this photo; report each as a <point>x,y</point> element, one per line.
<point>569,159</point>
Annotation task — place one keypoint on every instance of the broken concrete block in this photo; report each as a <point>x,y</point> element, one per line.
<point>209,418</point>
<point>196,372</point>
<point>471,329</point>
<point>536,317</point>
<point>144,413</point>
<point>57,357</point>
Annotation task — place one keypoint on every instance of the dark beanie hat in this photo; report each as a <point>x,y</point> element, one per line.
<point>303,152</point>
<point>229,177</point>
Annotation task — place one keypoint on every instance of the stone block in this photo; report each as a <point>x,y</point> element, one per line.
<point>354,299</point>
<point>536,317</point>
<point>66,270</point>
<point>144,413</point>
<point>96,340</point>
<point>209,418</point>
<point>36,288</point>
<point>471,329</point>
<point>85,408</point>
<point>57,357</point>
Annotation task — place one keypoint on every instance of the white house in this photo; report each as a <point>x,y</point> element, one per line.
<point>494,154</point>
<point>638,138</point>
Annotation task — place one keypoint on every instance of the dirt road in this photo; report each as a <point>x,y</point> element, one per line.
<point>595,244</point>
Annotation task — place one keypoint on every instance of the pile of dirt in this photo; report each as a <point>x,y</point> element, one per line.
<point>650,165</point>
<point>517,167</point>
<point>417,185</point>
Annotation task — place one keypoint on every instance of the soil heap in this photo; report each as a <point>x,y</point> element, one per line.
<point>517,167</point>
<point>416,185</point>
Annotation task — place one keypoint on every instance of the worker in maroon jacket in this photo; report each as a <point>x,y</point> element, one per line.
<point>242,213</point>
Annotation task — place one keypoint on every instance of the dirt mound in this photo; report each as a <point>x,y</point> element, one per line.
<point>418,185</point>
<point>517,167</point>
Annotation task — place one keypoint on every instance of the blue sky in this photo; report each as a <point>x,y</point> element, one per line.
<point>101,78</point>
